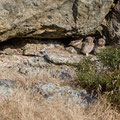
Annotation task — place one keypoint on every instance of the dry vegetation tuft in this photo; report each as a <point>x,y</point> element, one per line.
<point>26,106</point>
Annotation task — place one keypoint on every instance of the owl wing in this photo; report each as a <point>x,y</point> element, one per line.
<point>85,48</point>
<point>91,47</point>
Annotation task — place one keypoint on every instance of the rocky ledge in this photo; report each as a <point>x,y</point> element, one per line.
<point>51,19</point>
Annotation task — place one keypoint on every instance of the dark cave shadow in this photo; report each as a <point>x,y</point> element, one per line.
<point>16,43</point>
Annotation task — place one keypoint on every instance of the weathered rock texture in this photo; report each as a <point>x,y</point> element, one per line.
<point>49,91</point>
<point>51,18</point>
<point>53,91</point>
<point>32,59</point>
<point>112,26</point>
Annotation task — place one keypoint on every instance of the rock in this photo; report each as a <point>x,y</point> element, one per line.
<point>71,50</point>
<point>51,19</point>
<point>76,43</point>
<point>64,76</point>
<point>52,91</point>
<point>63,58</point>
<point>112,26</point>
<point>21,66</point>
<point>36,48</point>
<point>33,49</point>
<point>6,87</point>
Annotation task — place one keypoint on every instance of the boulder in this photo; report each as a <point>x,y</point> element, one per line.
<point>63,58</point>
<point>51,18</point>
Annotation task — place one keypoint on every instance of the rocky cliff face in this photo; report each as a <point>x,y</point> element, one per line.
<point>48,66</point>
<point>112,27</point>
<point>40,66</point>
<point>51,18</point>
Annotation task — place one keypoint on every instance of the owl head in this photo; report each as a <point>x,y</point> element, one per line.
<point>89,39</point>
<point>101,42</point>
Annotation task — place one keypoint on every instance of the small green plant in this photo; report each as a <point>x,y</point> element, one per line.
<point>110,56</point>
<point>91,78</point>
<point>88,75</point>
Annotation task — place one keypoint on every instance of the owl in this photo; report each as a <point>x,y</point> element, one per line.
<point>87,46</point>
<point>100,45</point>
<point>101,42</point>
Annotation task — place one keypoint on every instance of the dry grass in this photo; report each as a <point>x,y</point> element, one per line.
<point>43,76</point>
<point>26,106</point>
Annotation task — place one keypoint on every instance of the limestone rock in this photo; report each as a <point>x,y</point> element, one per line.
<point>71,50</point>
<point>76,43</point>
<point>51,18</point>
<point>63,58</point>
<point>36,48</point>
<point>53,91</point>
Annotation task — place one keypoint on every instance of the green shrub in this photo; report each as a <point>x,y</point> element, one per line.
<point>110,56</point>
<point>90,78</point>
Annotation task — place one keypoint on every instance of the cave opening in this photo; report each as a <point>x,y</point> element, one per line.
<point>116,1</point>
<point>21,42</point>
